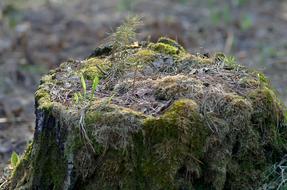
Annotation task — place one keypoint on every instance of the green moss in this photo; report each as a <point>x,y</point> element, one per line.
<point>143,56</point>
<point>48,79</point>
<point>43,98</point>
<point>252,150</point>
<point>236,110</point>
<point>246,173</point>
<point>74,142</point>
<point>154,156</point>
<point>174,87</point>
<point>267,104</point>
<point>170,42</point>
<point>169,47</point>
<point>43,164</point>
<point>101,120</point>
<point>164,48</point>
<point>145,53</point>
<point>262,79</point>
<point>94,67</point>
<point>90,72</point>
<point>42,95</point>
<point>50,169</point>
<point>268,119</point>
<point>174,140</point>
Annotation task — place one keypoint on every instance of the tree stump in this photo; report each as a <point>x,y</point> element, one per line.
<point>158,118</point>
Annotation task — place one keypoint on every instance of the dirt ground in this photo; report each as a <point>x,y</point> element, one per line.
<point>38,35</point>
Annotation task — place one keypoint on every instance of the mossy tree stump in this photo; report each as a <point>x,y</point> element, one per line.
<point>160,118</point>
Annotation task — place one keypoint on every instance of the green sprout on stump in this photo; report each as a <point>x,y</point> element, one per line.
<point>14,159</point>
<point>84,86</point>
<point>94,86</point>
<point>227,62</point>
<point>230,62</point>
<point>80,97</point>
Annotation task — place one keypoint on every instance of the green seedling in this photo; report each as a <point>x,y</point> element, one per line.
<point>84,86</point>
<point>230,60</point>
<point>79,97</point>
<point>94,86</point>
<point>14,159</point>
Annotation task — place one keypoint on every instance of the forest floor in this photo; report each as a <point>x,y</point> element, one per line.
<point>37,36</point>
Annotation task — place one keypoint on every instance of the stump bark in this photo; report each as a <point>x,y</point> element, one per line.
<point>160,118</point>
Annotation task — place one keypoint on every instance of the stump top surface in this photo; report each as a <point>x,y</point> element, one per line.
<point>146,78</point>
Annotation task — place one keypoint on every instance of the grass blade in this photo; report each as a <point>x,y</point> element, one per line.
<point>94,86</point>
<point>84,86</point>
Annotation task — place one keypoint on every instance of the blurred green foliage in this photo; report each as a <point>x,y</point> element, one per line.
<point>125,5</point>
<point>240,2</point>
<point>246,22</point>
<point>11,14</point>
<point>220,15</point>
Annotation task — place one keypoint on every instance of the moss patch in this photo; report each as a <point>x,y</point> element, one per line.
<point>94,67</point>
<point>174,141</point>
<point>143,56</point>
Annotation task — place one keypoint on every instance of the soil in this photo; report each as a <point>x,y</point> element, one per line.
<point>38,36</point>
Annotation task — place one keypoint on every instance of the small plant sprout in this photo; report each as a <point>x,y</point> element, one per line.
<point>227,62</point>
<point>230,62</point>
<point>14,159</point>
<point>79,97</point>
<point>84,86</point>
<point>94,86</point>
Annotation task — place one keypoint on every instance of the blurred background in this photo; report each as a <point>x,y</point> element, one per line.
<point>37,35</point>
